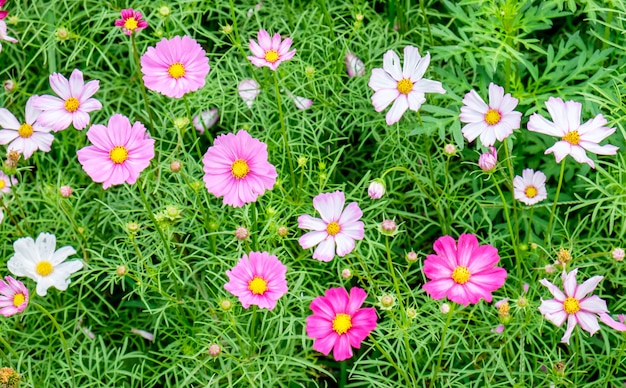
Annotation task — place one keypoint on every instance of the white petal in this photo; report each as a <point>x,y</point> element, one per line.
<point>391,64</point>
<point>397,110</point>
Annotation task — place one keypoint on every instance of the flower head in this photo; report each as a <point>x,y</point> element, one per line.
<point>338,226</point>
<point>575,138</point>
<point>494,121</point>
<point>464,272</point>
<point>618,254</point>
<point>488,161</point>
<point>6,182</point>
<point>236,167</point>
<point>28,137</point>
<point>206,119</point>
<point>3,13</point>
<point>270,52</point>
<point>249,89</point>
<point>73,105</point>
<point>131,21</point>
<point>354,65</point>
<point>13,296</point>
<point>530,188</point>
<point>3,33</point>
<point>175,66</point>
<point>339,323</point>
<point>257,279</point>
<point>576,306</point>
<point>120,152</point>
<point>40,261</point>
<point>376,189</point>
<point>404,86</point>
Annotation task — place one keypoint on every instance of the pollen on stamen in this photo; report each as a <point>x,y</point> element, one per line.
<point>271,56</point>
<point>25,131</point>
<point>118,155</point>
<point>333,228</point>
<point>72,104</point>
<point>492,117</point>
<point>131,24</point>
<point>240,169</point>
<point>571,306</point>
<point>342,323</point>
<point>176,70</point>
<point>405,86</point>
<point>572,137</point>
<point>461,275</point>
<point>531,191</point>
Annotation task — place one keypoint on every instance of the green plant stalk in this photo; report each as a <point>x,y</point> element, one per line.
<point>193,130</point>
<point>433,380</point>
<point>143,87</point>
<point>430,34</point>
<point>511,178</point>
<point>8,211</point>
<point>556,200</point>
<point>283,128</point>
<point>507,216</point>
<point>237,41</point>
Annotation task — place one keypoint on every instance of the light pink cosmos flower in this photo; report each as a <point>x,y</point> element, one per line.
<point>464,273</point>
<point>354,65</point>
<point>575,138</point>
<point>257,279</point>
<point>270,52</point>
<point>13,296</point>
<point>301,103</point>
<point>337,226</point>
<point>489,160</point>
<point>6,182</point>
<point>339,323</point>
<point>530,188</point>
<point>376,189</point>
<point>142,333</point>
<point>74,104</point>
<point>28,137</point>
<point>175,66</point>
<point>404,86</point>
<point>131,21</point>
<point>236,167</point>
<point>206,119</point>
<point>3,34</point>
<point>575,306</point>
<point>249,89</point>
<point>119,152</point>
<point>497,120</point>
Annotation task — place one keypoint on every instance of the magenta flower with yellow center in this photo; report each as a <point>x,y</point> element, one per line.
<point>270,52</point>
<point>175,66</point>
<point>13,296</point>
<point>131,21</point>
<point>26,137</point>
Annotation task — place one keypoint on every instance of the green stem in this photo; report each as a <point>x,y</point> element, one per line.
<point>193,129</point>
<point>143,87</point>
<point>236,30</point>
<point>507,216</point>
<point>430,34</point>
<point>433,380</point>
<point>8,211</point>
<point>556,200</point>
<point>283,128</point>
<point>509,162</point>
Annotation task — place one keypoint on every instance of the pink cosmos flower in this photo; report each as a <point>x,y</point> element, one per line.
<point>13,296</point>
<point>6,182</point>
<point>131,21</point>
<point>530,188</point>
<point>488,161</point>
<point>494,121</point>
<point>301,103</point>
<point>236,168</point>
<point>3,13</point>
<point>74,104</point>
<point>575,138</point>
<point>175,66</point>
<point>3,34</point>
<point>339,323</point>
<point>575,306</point>
<point>206,119</point>
<point>270,52</point>
<point>249,89</point>
<point>464,273</point>
<point>119,152</point>
<point>257,279</point>
<point>404,86</point>
<point>28,137</point>
<point>354,65</point>
<point>337,226</point>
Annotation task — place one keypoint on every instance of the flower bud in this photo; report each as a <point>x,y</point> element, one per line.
<point>445,308</point>
<point>388,227</point>
<point>411,313</point>
<point>449,149</point>
<point>411,257</point>
<point>346,273</point>
<point>214,350</point>
<point>354,65</point>
<point>164,11</point>
<point>387,301</point>
<point>9,86</point>
<point>241,233</point>
<point>65,191</point>
<point>282,231</point>
<point>62,33</point>
<point>132,227</point>
<point>175,166</point>
<point>488,161</point>
<point>376,189</point>
<point>121,270</point>
<point>227,29</point>
<point>618,254</point>
<point>226,304</point>
<point>181,122</point>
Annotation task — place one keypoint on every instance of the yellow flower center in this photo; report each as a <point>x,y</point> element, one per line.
<point>271,56</point>
<point>461,275</point>
<point>530,191</point>
<point>240,169</point>
<point>118,154</point>
<point>492,117</point>
<point>405,86</point>
<point>18,299</point>
<point>25,131</point>
<point>2,184</point>
<point>504,309</point>
<point>342,323</point>
<point>257,286</point>
<point>72,104</point>
<point>176,70</point>
<point>131,24</point>
<point>572,137</point>
<point>44,268</point>
<point>571,306</point>
<point>333,228</point>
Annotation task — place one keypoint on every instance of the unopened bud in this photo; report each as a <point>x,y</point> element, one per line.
<point>164,11</point>
<point>346,273</point>
<point>282,231</point>
<point>175,166</point>
<point>449,149</point>
<point>121,270</point>
<point>66,191</point>
<point>62,33</point>
<point>411,257</point>
<point>241,233</point>
<point>9,86</point>
<point>376,189</point>
<point>214,350</point>
<point>445,308</point>
<point>618,254</point>
<point>226,304</point>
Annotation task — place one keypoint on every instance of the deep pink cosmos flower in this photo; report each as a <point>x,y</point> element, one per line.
<point>575,138</point>
<point>259,279</point>
<point>13,296</point>
<point>270,52</point>
<point>3,13</point>
<point>74,104</point>
<point>337,226</point>
<point>131,21</point>
<point>28,137</point>
<point>465,272</point>
<point>236,167</point>
<point>575,306</point>
<point>339,323</point>
<point>175,66</point>
<point>119,152</point>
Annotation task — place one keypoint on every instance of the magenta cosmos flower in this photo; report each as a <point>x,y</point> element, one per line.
<point>119,152</point>
<point>236,168</point>
<point>464,273</point>
<point>530,188</point>
<point>175,66</point>
<point>339,323</point>
<point>270,52</point>
<point>257,279</point>
<point>338,226</point>
<point>497,120</point>
<point>28,137</point>
<point>131,21</point>
<point>575,138</point>
<point>3,13</point>
<point>576,306</point>
<point>74,104</point>
<point>404,86</point>
<point>13,296</point>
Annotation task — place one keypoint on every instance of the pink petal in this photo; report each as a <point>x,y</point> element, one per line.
<point>397,110</point>
<point>571,324</point>
<point>325,251</point>
<point>587,287</point>
<point>587,321</point>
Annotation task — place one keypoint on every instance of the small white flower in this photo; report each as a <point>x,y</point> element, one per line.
<point>530,188</point>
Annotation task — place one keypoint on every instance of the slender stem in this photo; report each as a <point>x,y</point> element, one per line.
<point>343,374</point>
<point>143,87</point>
<point>509,163</point>
<point>433,381</point>
<point>392,271</point>
<point>283,127</point>
<point>507,216</point>
<point>556,200</point>
<point>8,211</point>
<point>430,34</point>
<point>193,129</point>
<point>235,29</point>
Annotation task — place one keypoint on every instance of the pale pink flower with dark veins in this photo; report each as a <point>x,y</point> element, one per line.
<point>28,137</point>
<point>575,138</point>
<point>270,52</point>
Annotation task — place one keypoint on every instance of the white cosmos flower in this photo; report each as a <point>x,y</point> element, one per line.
<point>26,137</point>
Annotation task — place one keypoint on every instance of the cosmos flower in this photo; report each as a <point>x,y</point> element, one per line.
<point>206,119</point>
<point>131,21</point>
<point>488,160</point>
<point>28,137</point>
<point>530,188</point>
<point>13,296</point>
<point>248,89</point>
<point>3,33</point>
<point>354,65</point>
<point>6,182</point>
<point>270,52</point>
